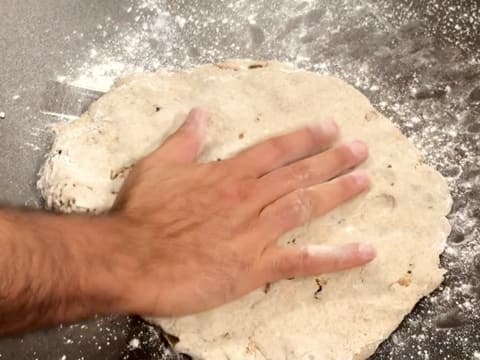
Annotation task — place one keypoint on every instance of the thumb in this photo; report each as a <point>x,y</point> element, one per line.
<point>299,261</point>
<point>186,143</point>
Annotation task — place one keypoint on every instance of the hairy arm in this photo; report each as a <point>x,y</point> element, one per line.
<point>54,268</point>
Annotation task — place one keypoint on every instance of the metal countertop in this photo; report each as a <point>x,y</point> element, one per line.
<point>426,46</point>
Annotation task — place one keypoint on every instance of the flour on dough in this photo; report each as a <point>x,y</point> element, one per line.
<point>403,214</point>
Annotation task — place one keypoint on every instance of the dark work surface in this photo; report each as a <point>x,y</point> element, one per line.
<point>414,59</point>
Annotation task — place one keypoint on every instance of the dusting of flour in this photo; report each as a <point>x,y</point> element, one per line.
<point>417,66</point>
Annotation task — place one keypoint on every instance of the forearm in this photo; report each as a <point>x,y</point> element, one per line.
<point>55,269</point>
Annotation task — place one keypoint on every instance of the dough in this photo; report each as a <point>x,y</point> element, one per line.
<point>333,316</point>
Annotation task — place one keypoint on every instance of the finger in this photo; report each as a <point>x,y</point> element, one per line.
<point>298,261</point>
<point>304,204</point>
<point>186,143</point>
<point>278,151</point>
<point>311,171</point>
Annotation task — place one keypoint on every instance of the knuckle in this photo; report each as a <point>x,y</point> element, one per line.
<point>302,204</point>
<point>301,173</point>
<point>241,261</point>
<point>238,192</point>
<point>284,268</point>
<point>293,264</point>
<point>238,265</point>
<point>276,147</point>
<point>302,258</point>
<point>244,190</point>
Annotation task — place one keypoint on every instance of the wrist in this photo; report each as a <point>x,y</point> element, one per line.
<point>71,274</point>
<point>104,263</point>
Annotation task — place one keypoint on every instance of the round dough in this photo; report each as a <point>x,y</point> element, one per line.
<point>403,214</point>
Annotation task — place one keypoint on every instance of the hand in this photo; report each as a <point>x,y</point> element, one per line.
<point>201,235</point>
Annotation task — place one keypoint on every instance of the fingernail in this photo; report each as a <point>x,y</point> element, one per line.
<point>198,122</point>
<point>361,177</point>
<point>366,252</point>
<point>199,113</point>
<point>358,149</point>
<point>327,128</point>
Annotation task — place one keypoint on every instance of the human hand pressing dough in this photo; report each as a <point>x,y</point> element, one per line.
<point>200,235</point>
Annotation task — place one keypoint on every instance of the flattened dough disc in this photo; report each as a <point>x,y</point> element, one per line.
<point>403,214</point>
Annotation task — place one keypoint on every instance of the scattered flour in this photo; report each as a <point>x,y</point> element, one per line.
<point>134,343</point>
<point>418,64</point>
